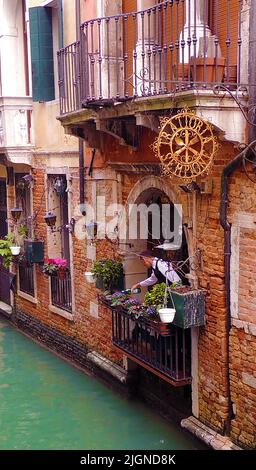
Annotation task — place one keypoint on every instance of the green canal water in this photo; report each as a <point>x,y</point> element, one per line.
<point>45,403</point>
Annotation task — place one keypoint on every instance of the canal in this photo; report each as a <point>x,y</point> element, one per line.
<point>45,403</point>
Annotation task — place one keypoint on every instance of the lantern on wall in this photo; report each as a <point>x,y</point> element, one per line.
<point>16,213</point>
<point>50,219</point>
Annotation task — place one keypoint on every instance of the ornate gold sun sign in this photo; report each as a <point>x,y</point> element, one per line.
<point>185,146</point>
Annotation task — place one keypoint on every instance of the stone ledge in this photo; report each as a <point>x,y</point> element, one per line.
<point>107,366</point>
<point>248,328</point>
<point>5,309</point>
<point>213,439</point>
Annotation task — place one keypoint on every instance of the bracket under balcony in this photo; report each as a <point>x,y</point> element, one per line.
<point>122,129</point>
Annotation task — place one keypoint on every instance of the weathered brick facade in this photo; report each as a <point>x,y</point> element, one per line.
<point>94,329</point>
<point>225,364</point>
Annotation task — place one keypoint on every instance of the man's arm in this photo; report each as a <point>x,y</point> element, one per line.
<point>150,281</point>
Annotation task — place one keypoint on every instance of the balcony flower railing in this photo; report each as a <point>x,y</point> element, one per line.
<point>61,292</point>
<point>26,279</point>
<point>172,46</point>
<point>162,348</point>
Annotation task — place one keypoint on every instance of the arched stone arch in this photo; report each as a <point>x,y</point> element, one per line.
<point>142,186</point>
<point>154,182</point>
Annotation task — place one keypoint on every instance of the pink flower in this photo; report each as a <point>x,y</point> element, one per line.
<point>58,261</point>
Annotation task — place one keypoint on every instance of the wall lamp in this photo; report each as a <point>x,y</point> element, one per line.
<point>16,213</point>
<point>50,219</point>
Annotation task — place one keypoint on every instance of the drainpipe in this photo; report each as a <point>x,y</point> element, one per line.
<point>252,68</point>
<point>227,171</point>
<point>80,145</point>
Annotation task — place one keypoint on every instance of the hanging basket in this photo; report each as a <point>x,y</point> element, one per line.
<point>167,314</point>
<point>15,250</point>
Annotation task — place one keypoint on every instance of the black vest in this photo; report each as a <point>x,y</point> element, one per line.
<point>160,277</point>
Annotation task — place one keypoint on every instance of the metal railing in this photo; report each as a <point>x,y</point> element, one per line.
<point>26,280</point>
<point>160,347</point>
<point>61,292</point>
<point>174,45</point>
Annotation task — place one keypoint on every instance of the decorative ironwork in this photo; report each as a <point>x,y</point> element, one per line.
<point>185,146</point>
<point>156,51</point>
<point>162,348</point>
<point>61,292</point>
<point>26,280</point>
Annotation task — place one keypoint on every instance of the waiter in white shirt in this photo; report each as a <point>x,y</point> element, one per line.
<point>160,270</point>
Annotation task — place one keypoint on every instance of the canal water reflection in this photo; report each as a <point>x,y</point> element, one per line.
<point>45,403</point>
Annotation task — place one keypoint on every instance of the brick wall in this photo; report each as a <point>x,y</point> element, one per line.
<point>243,332</point>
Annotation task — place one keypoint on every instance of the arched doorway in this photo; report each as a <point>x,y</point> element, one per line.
<point>154,205</point>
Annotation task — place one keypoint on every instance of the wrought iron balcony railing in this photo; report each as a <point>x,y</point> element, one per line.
<point>61,292</point>
<point>26,279</point>
<point>174,45</point>
<point>162,348</point>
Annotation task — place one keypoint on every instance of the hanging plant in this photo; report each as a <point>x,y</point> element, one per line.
<point>6,253</point>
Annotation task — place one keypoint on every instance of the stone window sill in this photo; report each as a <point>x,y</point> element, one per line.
<point>28,297</point>
<point>62,313</point>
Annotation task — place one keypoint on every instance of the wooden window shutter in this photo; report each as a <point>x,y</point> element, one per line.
<point>42,53</point>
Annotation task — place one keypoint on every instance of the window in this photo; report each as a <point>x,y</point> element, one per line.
<point>46,37</point>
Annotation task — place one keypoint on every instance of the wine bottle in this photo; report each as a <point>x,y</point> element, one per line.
<point>137,290</point>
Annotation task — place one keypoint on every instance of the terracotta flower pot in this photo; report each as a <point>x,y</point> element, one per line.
<point>208,69</point>
<point>61,274</point>
<point>180,72</point>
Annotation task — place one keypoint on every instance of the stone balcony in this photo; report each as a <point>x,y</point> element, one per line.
<point>16,129</point>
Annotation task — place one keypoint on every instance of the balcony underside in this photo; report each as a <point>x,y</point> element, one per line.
<point>152,368</point>
<point>122,119</point>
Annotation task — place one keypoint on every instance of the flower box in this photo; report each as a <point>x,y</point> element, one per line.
<point>208,69</point>
<point>190,307</point>
<point>163,329</point>
<point>56,267</point>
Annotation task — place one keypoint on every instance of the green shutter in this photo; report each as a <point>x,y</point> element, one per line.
<point>42,53</point>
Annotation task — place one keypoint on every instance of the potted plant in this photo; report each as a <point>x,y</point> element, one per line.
<point>56,267</point>
<point>159,297</point>
<point>208,69</point>
<point>109,274</point>
<point>14,243</point>
<point>89,276</point>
